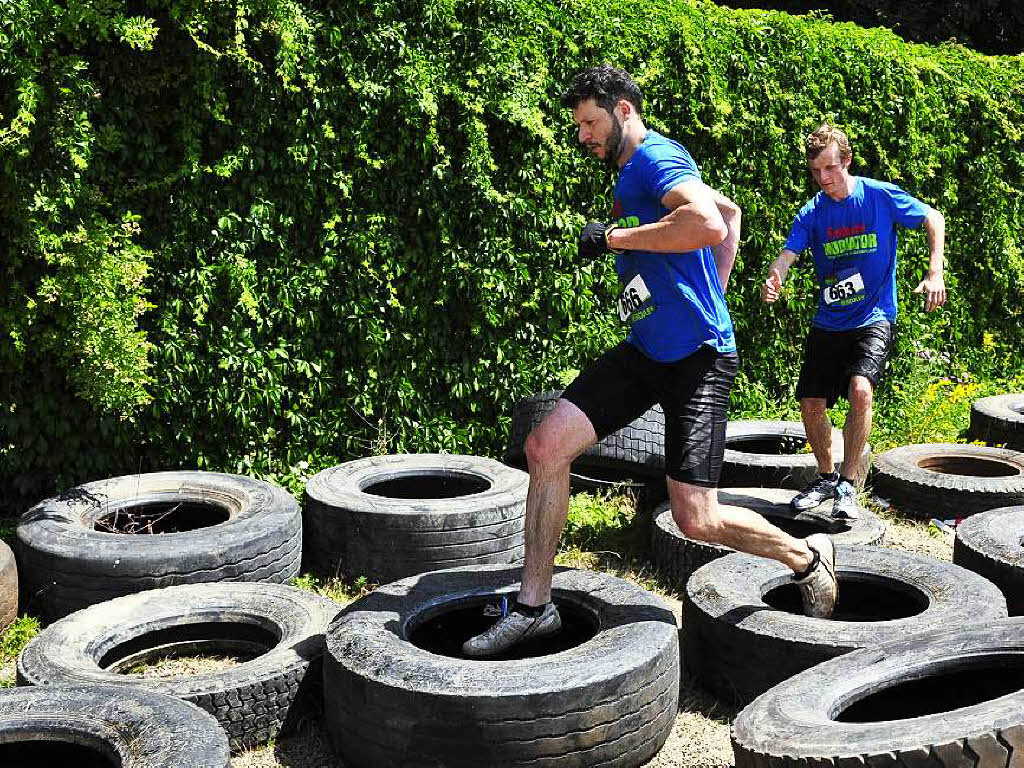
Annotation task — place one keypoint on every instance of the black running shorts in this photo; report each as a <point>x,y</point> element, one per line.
<point>832,357</point>
<point>624,383</point>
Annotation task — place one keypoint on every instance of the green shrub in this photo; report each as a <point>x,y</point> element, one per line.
<point>262,236</point>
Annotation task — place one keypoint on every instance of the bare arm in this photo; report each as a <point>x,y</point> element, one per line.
<point>725,251</point>
<point>772,285</point>
<point>934,285</point>
<point>694,222</point>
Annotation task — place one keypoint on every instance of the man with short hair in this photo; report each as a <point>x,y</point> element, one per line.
<point>673,250</point>
<point>850,228</point>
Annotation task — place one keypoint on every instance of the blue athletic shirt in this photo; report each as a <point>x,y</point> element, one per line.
<point>678,305</point>
<point>854,246</point>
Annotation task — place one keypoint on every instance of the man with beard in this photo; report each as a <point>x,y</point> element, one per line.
<point>680,352</point>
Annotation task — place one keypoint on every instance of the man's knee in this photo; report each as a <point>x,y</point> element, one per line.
<point>541,446</point>
<point>813,407</point>
<point>861,393</point>
<point>695,514</point>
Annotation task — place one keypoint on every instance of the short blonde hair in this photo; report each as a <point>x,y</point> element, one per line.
<point>818,140</point>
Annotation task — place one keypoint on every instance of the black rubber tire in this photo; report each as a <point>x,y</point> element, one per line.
<point>65,564</point>
<point>610,701</point>
<point>902,475</point>
<point>992,544</point>
<point>775,463</point>
<point>999,420</point>
<point>796,723</point>
<point>131,728</point>
<point>8,586</point>
<point>677,556</point>
<point>738,646</point>
<point>635,451</point>
<point>253,701</point>
<point>351,532</point>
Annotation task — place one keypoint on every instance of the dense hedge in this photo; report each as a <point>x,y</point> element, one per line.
<point>989,26</point>
<point>252,235</point>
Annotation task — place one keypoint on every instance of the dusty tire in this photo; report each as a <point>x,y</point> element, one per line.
<point>635,451</point>
<point>677,556</point>
<point>949,480</point>
<point>100,725</point>
<point>952,699</point>
<point>66,564</point>
<point>744,631</point>
<point>8,586</point>
<point>999,420</point>
<point>765,454</point>
<point>610,701</point>
<point>281,626</point>
<point>389,517</point>
<point>992,544</point>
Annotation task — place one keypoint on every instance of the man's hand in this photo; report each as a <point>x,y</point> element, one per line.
<point>934,289</point>
<point>771,288</point>
<point>593,240</point>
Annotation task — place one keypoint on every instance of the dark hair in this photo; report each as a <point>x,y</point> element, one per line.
<point>605,85</point>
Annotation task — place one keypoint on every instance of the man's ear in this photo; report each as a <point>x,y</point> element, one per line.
<point>625,108</point>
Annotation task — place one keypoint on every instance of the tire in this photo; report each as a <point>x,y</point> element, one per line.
<point>610,701</point>
<point>992,544</point>
<point>738,643</point>
<point>66,564</point>
<point>8,586</point>
<point>471,511</point>
<point>999,420</point>
<point>923,719</point>
<point>635,451</point>
<point>765,454</point>
<point>921,478</point>
<point>253,701</point>
<point>677,556</point>
<point>102,725</point>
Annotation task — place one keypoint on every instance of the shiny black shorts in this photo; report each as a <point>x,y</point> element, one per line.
<point>624,383</point>
<point>832,357</point>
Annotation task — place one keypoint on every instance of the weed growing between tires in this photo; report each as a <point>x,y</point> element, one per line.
<point>13,639</point>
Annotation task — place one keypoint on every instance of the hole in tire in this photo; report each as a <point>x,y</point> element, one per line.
<point>154,517</point>
<point>968,466</point>
<point>240,641</point>
<point>961,683</point>
<point>443,632</point>
<point>861,599</point>
<point>770,445</point>
<point>428,485</point>
<point>32,753</point>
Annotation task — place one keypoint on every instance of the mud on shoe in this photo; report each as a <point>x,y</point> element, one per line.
<point>818,585</point>
<point>512,629</point>
<point>822,489</point>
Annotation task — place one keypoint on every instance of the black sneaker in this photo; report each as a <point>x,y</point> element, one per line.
<point>822,489</point>
<point>512,629</point>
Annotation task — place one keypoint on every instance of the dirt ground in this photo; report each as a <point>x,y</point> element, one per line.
<point>700,737</point>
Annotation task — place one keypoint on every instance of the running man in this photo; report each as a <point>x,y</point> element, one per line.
<point>673,248</point>
<point>850,228</point>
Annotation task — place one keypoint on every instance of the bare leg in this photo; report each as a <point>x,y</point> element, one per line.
<point>563,435</point>
<point>699,516</point>
<point>857,427</point>
<point>813,411</point>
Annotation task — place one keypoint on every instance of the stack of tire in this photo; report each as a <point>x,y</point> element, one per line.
<point>137,568</point>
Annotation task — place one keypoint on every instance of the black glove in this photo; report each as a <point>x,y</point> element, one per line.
<point>593,241</point>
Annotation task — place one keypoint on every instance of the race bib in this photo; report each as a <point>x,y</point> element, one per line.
<point>843,289</point>
<point>632,297</point>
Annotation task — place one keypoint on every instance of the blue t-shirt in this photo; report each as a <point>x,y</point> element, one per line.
<point>854,246</point>
<point>673,301</point>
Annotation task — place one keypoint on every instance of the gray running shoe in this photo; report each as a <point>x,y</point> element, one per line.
<point>845,505</point>
<point>820,490</point>
<point>512,629</point>
<point>819,588</point>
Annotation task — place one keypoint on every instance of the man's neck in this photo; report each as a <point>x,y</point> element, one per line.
<point>633,134</point>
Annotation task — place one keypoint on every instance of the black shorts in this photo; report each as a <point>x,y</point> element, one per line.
<point>832,357</point>
<point>624,383</point>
